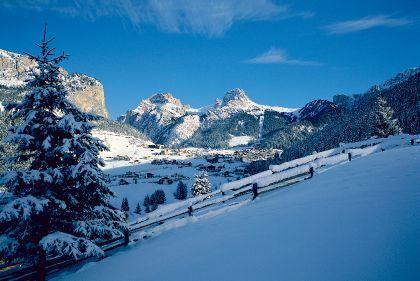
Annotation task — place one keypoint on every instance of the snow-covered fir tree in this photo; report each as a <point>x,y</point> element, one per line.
<point>382,118</point>
<point>137,210</point>
<point>5,149</point>
<point>181,192</point>
<point>59,204</point>
<point>201,184</point>
<point>146,204</point>
<point>124,205</point>
<point>158,197</point>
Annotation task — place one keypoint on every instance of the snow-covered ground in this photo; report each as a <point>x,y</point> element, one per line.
<point>240,140</point>
<point>128,154</point>
<point>356,221</point>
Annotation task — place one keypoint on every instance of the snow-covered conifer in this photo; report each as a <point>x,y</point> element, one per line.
<point>124,205</point>
<point>137,210</point>
<point>181,192</point>
<point>59,203</point>
<point>158,197</point>
<point>146,204</point>
<point>383,122</point>
<point>201,184</point>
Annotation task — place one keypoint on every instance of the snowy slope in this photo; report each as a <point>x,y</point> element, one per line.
<point>356,221</point>
<point>121,145</point>
<point>128,154</point>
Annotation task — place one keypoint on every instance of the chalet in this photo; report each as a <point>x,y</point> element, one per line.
<point>122,182</point>
<point>165,180</point>
<point>155,146</point>
<point>121,158</point>
<point>149,175</point>
<point>178,177</point>
<point>165,152</point>
<point>213,168</point>
<point>130,174</point>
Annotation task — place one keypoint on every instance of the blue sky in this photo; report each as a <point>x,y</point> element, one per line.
<point>282,53</point>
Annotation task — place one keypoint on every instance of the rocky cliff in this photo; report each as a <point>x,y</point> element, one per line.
<point>86,92</point>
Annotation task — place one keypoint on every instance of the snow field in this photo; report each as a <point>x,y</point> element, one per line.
<point>358,221</point>
<point>356,148</point>
<point>140,163</point>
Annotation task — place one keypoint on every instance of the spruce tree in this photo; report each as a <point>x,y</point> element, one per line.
<point>146,204</point>
<point>124,205</point>
<point>384,124</point>
<point>137,210</point>
<point>181,192</point>
<point>201,185</point>
<point>6,150</point>
<point>158,197</point>
<point>59,203</point>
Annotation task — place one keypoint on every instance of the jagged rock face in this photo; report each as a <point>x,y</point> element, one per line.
<point>166,120</point>
<point>156,115</point>
<point>14,69</point>
<point>237,98</point>
<point>86,92</point>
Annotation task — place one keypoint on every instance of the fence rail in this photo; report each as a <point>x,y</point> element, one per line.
<point>278,176</point>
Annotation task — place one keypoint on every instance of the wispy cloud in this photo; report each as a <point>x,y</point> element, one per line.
<point>207,17</point>
<point>366,23</point>
<point>279,56</point>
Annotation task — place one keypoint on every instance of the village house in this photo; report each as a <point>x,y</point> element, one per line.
<point>155,146</point>
<point>123,182</point>
<point>165,180</point>
<point>149,175</point>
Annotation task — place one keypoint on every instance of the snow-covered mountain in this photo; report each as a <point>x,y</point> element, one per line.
<point>236,101</point>
<point>166,120</point>
<point>86,92</point>
<point>317,110</point>
<point>161,117</point>
<point>237,120</point>
<point>399,78</point>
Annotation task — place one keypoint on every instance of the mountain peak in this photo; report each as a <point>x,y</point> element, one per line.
<point>162,98</point>
<point>400,77</point>
<point>236,98</point>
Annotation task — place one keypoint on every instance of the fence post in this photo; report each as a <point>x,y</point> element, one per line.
<point>41,272</point>
<point>311,172</point>
<point>126,236</point>
<point>254,190</point>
